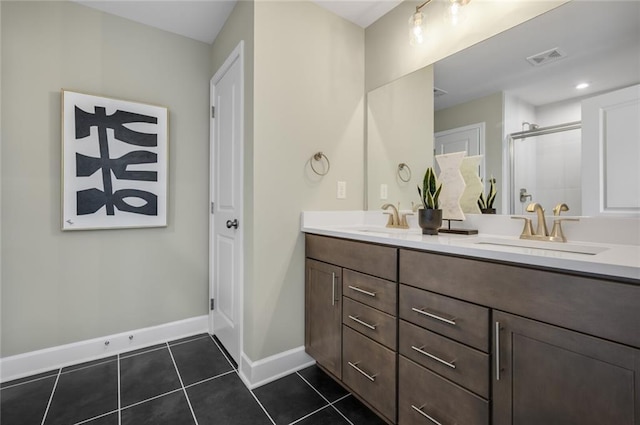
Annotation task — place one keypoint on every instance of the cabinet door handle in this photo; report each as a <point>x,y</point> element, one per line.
<point>369,377</point>
<point>420,350</point>
<point>362,291</point>
<point>419,410</point>
<point>333,288</point>
<point>451,321</point>
<point>362,322</point>
<point>497,354</point>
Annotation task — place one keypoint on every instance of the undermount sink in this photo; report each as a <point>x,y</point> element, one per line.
<point>542,245</point>
<point>386,231</point>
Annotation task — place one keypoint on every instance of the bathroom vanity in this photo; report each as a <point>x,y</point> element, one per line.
<point>433,333</point>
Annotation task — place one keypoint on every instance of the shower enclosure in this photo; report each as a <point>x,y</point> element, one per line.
<point>545,167</point>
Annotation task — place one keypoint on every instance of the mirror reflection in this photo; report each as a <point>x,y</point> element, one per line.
<point>487,98</point>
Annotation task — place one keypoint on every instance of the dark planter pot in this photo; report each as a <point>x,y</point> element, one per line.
<point>430,221</point>
<point>488,210</point>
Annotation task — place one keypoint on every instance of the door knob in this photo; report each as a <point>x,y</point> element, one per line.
<point>233,224</point>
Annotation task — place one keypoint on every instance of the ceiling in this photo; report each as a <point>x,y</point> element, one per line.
<point>203,19</point>
<point>601,40</point>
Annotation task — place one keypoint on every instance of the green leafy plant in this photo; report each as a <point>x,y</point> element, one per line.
<point>487,203</point>
<point>430,190</point>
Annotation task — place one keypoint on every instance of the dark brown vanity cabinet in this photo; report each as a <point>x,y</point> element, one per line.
<point>323,315</point>
<point>429,338</point>
<point>350,317</point>
<point>548,375</point>
<point>563,348</point>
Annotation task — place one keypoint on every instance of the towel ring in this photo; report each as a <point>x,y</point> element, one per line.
<point>318,157</point>
<point>402,167</point>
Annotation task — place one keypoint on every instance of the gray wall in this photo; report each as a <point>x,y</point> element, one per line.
<point>61,287</point>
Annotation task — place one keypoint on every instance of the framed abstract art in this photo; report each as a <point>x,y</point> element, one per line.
<point>114,163</point>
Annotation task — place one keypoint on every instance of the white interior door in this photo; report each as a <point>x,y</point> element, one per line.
<point>226,222</point>
<point>611,153</point>
<point>469,139</point>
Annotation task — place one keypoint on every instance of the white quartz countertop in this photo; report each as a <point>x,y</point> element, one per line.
<point>606,259</point>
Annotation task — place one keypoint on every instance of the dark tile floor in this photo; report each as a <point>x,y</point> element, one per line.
<point>188,381</point>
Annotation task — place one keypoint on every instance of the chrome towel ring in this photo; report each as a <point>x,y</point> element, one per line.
<point>318,157</point>
<point>404,172</point>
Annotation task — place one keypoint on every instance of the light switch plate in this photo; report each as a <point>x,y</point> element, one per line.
<point>384,192</point>
<point>342,190</point>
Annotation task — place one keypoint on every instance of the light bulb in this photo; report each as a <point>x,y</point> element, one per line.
<point>455,12</point>
<point>416,34</point>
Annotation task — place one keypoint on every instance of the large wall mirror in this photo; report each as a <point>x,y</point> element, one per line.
<point>513,98</point>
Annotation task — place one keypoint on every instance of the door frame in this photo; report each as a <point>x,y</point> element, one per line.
<point>236,55</point>
<point>481,129</point>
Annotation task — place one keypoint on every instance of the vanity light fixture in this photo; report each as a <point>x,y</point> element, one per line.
<point>416,33</point>
<point>455,13</point>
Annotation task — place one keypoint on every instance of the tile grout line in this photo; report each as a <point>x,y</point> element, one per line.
<point>129,354</point>
<point>182,384</point>
<point>309,415</point>
<point>237,371</point>
<point>151,398</point>
<point>86,367</point>
<point>95,417</point>
<point>209,379</point>
<point>53,390</point>
<point>262,407</point>
<point>29,381</point>
<point>326,399</point>
<point>119,395</point>
<point>174,343</point>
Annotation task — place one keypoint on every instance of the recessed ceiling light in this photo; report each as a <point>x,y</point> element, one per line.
<point>582,86</point>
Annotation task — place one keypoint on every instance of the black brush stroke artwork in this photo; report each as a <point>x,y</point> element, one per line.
<point>89,201</point>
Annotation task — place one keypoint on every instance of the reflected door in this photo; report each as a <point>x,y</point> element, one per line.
<point>469,139</point>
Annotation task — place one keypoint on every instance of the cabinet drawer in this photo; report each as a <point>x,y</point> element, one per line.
<point>377,260</point>
<point>369,369</point>
<point>457,362</point>
<point>375,324</point>
<point>462,321</point>
<point>422,395</point>
<point>372,291</point>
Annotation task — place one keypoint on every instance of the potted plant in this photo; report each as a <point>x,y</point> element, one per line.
<point>430,215</point>
<point>486,204</point>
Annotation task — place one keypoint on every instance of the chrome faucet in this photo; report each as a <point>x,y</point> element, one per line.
<point>395,219</point>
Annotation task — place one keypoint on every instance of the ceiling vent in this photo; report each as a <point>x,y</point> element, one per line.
<point>438,92</point>
<point>546,57</point>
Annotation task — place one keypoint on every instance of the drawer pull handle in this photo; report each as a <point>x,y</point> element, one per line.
<point>444,362</point>
<point>419,410</point>
<point>362,291</point>
<point>333,288</point>
<point>497,356</point>
<point>369,377</point>
<point>362,322</point>
<point>451,321</point>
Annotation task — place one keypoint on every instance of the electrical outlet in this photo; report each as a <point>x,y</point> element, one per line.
<point>384,192</point>
<point>342,190</point>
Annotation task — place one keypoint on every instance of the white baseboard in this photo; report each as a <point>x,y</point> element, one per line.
<point>33,362</point>
<point>260,372</point>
